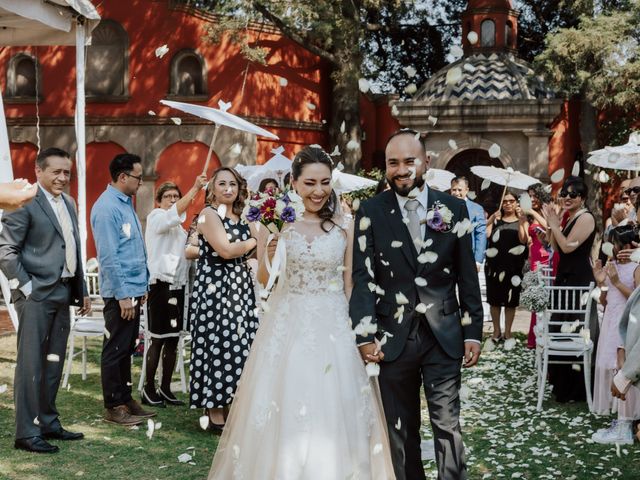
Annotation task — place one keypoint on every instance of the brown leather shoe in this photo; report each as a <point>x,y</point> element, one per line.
<point>120,416</point>
<point>136,410</point>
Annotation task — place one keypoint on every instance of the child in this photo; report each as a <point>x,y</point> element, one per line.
<point>618,279</point>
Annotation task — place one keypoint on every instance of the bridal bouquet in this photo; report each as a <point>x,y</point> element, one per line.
<point>274,210</point>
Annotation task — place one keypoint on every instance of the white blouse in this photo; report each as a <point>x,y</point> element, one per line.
<point>166,240</point>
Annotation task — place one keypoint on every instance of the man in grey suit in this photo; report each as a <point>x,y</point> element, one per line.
<point>40,255</point>
<point>411,250</point>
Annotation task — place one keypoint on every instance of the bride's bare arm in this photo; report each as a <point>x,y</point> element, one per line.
<point>348,261</point>
<point>263,251</point>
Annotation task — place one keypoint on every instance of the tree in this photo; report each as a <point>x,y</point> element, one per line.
<point>598,62</point>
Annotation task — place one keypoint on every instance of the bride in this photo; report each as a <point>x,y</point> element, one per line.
<point>305,408</point>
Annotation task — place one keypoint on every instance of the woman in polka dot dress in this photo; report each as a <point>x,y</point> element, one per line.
<point>223,315</point>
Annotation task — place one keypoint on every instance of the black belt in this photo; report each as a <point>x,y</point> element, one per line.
<point>227,261</point>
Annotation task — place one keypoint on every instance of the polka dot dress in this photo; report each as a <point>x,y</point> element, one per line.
<point>223,322</point>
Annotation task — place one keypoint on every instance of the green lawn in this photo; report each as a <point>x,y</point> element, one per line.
<point>504,435</point>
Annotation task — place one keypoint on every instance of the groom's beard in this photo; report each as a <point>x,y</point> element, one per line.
<point>404,191</point>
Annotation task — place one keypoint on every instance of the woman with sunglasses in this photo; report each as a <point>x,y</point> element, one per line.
<point>572,239</point>
<point>506,253</point>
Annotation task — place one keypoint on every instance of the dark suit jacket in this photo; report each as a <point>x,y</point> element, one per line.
<point>396,269</point>
<point>32,248</point>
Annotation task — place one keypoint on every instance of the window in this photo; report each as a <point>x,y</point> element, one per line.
<point>107,74</point>
<point>22,77</point>
<point>508,34</point>
<point>188,75</point>
<point>488,33</point>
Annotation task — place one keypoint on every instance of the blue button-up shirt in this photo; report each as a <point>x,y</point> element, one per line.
<point>121,253</point>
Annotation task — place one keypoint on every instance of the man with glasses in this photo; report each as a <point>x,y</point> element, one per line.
<point>123,285</point>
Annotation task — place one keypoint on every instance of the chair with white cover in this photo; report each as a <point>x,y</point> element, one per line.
<point>85,327</point>
<point>565,339</point>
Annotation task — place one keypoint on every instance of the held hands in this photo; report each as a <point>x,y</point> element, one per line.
<point>371,353</point>
<point>85,310</point>
<point>624,255</point>
<point>617,393</point>
<point>471,354</point>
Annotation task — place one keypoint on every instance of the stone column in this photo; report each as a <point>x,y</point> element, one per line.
<point>539,153</point>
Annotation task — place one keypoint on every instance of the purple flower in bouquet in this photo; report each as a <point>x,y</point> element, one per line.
<point>288,214</point>
<point>439,218</point>
<point>435,222</point>
<point>253,214</point>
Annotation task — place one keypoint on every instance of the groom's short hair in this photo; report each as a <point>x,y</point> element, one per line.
<point>409,131</point>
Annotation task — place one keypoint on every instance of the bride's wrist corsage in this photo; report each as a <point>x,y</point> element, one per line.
<point>439,218</point>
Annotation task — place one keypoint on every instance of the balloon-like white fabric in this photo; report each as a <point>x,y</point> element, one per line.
<point>305,408</point>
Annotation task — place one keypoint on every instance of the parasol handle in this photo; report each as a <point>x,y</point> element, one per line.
<point>213,141</point>
<point>504,192</point>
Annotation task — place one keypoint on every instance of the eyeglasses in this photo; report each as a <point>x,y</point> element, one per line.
<point>624,199</point>
<point>572,195</point>
<point>171,195</point>
<point>509,201</point>
<point>139,178</point>
<point>634,190</point>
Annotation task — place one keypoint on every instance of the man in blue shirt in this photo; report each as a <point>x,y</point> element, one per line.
<point>123,285</point>
<point>460,189</point>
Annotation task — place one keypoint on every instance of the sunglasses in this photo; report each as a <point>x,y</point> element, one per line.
<point>634,190</point>
<point>572,195</point>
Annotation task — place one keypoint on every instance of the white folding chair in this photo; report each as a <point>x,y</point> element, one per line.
<point>183,339</point>
<point>577,302</point>
<point>85,327</point>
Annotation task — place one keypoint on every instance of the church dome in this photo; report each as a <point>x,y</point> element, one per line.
<point>493,4</point>
<point>485,76</point>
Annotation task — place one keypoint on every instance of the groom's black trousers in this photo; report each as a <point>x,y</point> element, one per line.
<point>423,362</point>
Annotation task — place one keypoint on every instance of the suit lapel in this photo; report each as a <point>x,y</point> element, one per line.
<point>46,207</point>
<point>398,229</point>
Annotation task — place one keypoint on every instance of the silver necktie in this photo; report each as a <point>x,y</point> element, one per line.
<point>414,222</point>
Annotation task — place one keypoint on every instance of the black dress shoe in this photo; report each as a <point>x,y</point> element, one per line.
<point>63,434</point>
<point>35,444</point>
<point>170,398</point>
<point>151,398</point>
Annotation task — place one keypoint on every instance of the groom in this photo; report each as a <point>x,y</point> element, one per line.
<point>410,253</point>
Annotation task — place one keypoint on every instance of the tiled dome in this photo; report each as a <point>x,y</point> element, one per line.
<point>495,76</point>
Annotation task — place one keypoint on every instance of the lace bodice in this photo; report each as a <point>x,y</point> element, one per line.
<point>315,264</point>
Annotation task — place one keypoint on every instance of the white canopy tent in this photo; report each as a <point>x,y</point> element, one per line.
<point>49,22</point>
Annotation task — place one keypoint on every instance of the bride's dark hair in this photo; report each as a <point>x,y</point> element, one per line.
<point>307,156</point>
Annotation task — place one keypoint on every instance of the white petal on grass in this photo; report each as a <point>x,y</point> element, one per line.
<point>283,82</point>
<point>494,150</point>
<point>184,458</point>
<point>486,183</point>
<point>517,250</point>
<point>557,176</point>
<point>176,120</point>
<point>151,427</point>
<point>410,71</point>
<point>411,89</point>
<point>52,357</point>
<point>162,51</point>
<point>363,85</point>
<point>607,249</point>
<point>454,75</point>
<point>516,281</point>
<point>362,242</point>
<point>204,422</point>
<point>452,144</point>
<point>472,37</point>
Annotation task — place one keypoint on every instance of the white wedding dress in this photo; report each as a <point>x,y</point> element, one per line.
<point>305,408</point>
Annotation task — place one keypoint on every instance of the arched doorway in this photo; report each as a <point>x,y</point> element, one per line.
<point>180,163</point>
<point>461,165</point>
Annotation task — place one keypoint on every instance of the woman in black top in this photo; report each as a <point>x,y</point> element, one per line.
<point>572,238</point>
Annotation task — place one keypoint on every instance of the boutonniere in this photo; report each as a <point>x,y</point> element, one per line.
<point>439,218</point>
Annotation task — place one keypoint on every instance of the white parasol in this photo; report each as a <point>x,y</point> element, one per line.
<point>622,157</point>
<point>276,167</point>
<point>219,117</point>
<point>346,182</point>
<point>505,176</point>
<point>439,179</point>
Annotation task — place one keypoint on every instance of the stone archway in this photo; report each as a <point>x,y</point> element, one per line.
<point>461,164</point>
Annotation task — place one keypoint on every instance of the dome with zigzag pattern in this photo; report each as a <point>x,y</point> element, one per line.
<point>495,76</point>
